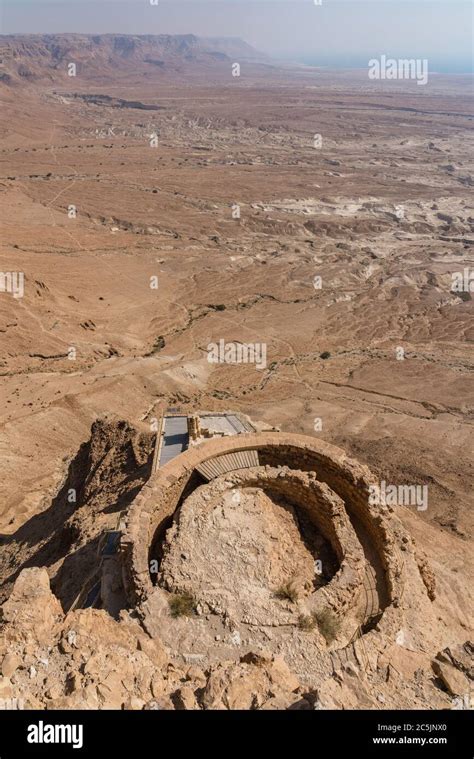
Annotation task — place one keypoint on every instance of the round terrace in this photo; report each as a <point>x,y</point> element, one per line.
<point>152,511</point>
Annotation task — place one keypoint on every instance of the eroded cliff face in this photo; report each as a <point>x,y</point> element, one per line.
<point>99,483</point>
<point>48,57</point>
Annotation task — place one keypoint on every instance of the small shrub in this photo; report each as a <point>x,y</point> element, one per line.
<point>159,344</point>
<point>325,354</point>
<point>306,622</point>
<point>182,605</point>
<point>329,625</point>
<point>287,592</point>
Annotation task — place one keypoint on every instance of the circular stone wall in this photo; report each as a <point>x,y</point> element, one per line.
<point>238,540</point>
<point>344,479</point>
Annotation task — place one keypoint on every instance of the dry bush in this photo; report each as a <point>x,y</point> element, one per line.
<point>182,605</point>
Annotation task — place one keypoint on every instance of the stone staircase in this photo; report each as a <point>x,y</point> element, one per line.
<point>228,462</point>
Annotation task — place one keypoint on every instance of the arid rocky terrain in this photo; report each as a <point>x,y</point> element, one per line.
<point>155,204</point>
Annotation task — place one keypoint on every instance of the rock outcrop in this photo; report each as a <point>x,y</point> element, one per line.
<point>87,660</point>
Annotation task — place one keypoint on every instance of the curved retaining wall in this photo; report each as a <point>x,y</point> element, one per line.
<point>324,509</point>
<point>153,508</point>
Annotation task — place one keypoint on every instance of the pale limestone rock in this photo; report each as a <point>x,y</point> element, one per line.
<point>32,610</point>
<point>154,649</point>
<point>10,664</point>
<point>186,699</point>
<point>134,703</point>
<point>280,675</point>
<point>53,691</point>
<point>196,675</point>
<point>110,698</point>
<point>6,688</point>
<point>157,685</point>
<point>248,686</point>
<point>455,681</point>
<point>160,704</point>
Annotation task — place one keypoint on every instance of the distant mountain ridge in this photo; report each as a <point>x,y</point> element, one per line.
<point>30,57</point>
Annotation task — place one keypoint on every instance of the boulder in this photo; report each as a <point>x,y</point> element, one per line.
<point>454,680</point>
<point>32,611</point>
<point>10,664</point>
<point>249,684</point>
<point>185,699</point>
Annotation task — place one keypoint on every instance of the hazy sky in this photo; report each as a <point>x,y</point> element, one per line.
<point>344,32</point>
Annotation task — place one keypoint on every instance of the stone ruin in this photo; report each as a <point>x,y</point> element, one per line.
<point>251,571</point>
<point>273,537</point>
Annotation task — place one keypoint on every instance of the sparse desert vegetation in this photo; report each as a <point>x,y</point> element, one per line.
<point>182,605</point>
<point>287,592</point>
<point>328,624</point>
